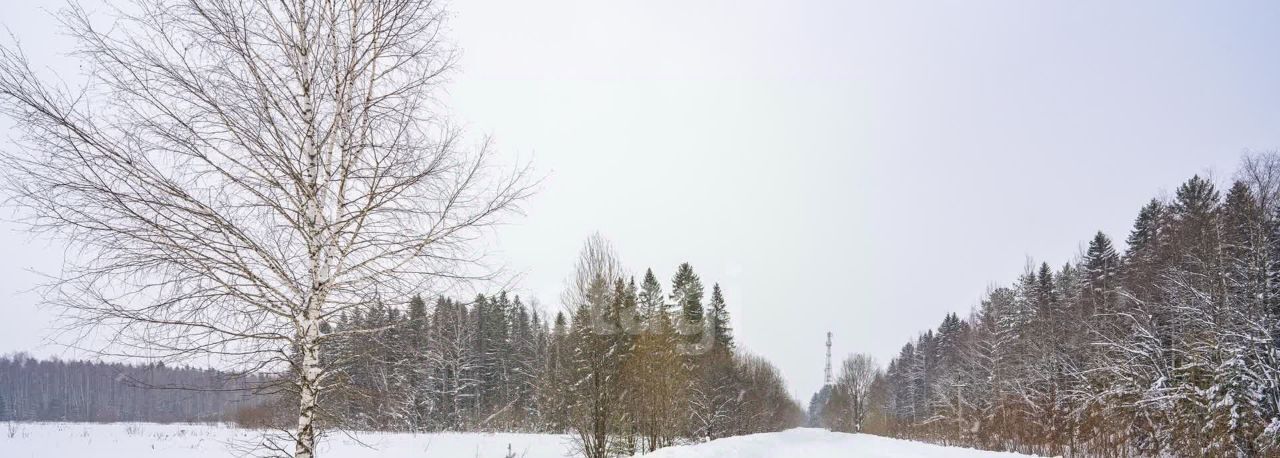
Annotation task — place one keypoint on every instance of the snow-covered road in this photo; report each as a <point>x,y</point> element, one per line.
<point>818,443</point>
<point>148,440</point>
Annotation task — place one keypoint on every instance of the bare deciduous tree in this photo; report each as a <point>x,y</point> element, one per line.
<point>236,173</point>
<point>597,262</point>
<point>595,396</point>
<point>856,376</point>
<point>847,406</point>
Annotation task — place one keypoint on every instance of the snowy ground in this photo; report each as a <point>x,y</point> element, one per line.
<point>147,440</point>
<point>150,440</point>
<point>818,443</point>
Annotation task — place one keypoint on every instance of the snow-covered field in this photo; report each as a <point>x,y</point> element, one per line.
<point>151,440</point>
<point>148,440</point>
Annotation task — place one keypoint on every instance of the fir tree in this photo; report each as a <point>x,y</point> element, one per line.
<point>558,374</point>
<point>686,293</point>
<point>650,298</point>
<point>1196,197</point>
<point>948,341</point>
<point>1144,237</point>
<point>1244,239</point>
<point>1044,294</point>
<point>418,321</point>
<point>1101,264</point>
<point>719,320</point>
<point>415,356</point>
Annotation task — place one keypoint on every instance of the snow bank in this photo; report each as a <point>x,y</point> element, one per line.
<point>818,443</point>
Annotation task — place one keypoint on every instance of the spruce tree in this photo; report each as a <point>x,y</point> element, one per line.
<point>1101,264</point>
<point>719,319</point>
<point>686,293</point>
<point>925,372</point>
<point>416,359</point>
<point>904,374</point>
<point>1194,212</point>
<point>1196,197</point>
<point>948,341</point>
<point>418,322</point>
<point>1045,295</point>
<point>1144,237</point>
<point>1244,238</point>
<point>650,298</point>
<point>523,364</point>
<point>557,375</point>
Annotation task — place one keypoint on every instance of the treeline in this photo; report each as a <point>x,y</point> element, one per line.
<point>451,365</point>
<point>626,367</point>
<point>1171,348</point>
<point>54,390</point>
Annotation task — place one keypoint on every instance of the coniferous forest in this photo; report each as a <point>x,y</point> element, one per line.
<point>1167,346</point>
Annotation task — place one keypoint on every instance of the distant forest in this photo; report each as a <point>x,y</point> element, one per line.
<point>55,390</point>
<point>1171,348</point>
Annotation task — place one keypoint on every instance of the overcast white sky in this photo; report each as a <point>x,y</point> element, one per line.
<point>858,167</point>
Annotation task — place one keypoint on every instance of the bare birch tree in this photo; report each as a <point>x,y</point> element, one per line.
<point>237,173</point>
